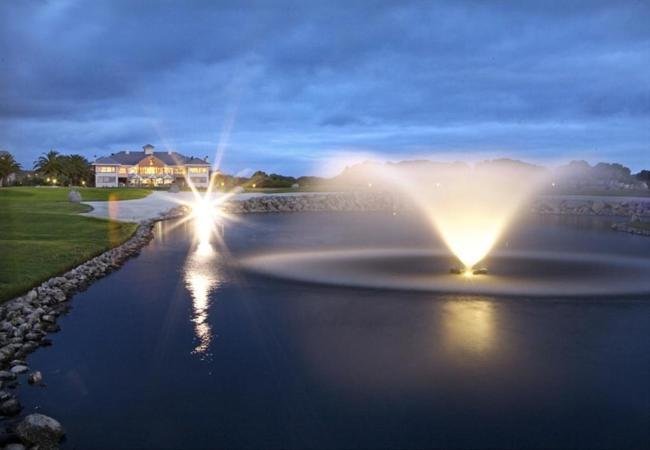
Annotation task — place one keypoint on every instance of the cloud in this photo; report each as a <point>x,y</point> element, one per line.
<point>307,79</point>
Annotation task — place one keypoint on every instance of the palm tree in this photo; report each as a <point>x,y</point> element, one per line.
<point>49,164</point>
<point>8,165</point>
<point>75,168</point>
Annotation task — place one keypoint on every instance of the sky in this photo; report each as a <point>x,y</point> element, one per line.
<point>306,87</point>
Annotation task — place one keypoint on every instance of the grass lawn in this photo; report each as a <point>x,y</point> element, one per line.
<point>41,233</point>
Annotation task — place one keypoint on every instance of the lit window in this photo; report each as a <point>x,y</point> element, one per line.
<point>197,169</point>
<point>106,169</point>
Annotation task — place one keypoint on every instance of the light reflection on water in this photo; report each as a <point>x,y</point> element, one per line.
<point>469,327</point>
<point>202,277</point>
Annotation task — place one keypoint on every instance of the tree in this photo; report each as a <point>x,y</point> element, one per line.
<point>8,165</point>
<point>49,164</point>
<point>75,168</point>
<point>644,176</point>
<point>613,171</point>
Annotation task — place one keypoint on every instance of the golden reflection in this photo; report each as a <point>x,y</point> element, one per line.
<point>201,278</point>
<point>469,326</point>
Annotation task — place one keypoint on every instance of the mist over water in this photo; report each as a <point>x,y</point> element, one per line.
<point>469,206</point>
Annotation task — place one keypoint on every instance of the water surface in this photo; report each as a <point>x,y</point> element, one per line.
<point>181,349</point>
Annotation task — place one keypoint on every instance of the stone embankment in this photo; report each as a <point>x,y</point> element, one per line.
<point>25,323</point>
<point>610,207</point>
<point>344,201</point>
<point>633,226</point>
<point>637,210</point>
<point>380,201</point>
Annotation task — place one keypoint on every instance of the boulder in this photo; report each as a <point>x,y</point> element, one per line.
<point>19,369</point>
<point>40,430</point>
<point>10,407</point>
<point>15,446</point>
<point>6,375</point>
<point>74,197</point>
<point>35,377</point>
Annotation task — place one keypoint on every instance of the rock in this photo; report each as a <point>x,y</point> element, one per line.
<point>40,430</point>
<point>598,206</point>
<point>48,318</point>
<point>35,377</point>
<point>19,369</point>
<point>10,407</point>
<point>17,362</point>
<point>7,376</point>
<point>52,328</point>
<point>74,197</point>
<point>33,336</point>
<point>15,446</point>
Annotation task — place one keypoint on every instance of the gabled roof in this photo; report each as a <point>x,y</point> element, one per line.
<point>133,158</point>
<point>105,160</point>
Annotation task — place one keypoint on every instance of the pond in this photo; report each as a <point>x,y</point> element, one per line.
<point>182,348</point>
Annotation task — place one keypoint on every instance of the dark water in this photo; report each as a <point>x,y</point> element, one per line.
<point>148,358</point>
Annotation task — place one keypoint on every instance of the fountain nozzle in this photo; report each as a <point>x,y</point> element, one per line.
<point>468,271</point>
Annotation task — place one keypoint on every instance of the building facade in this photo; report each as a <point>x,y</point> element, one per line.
<point>150,168</point>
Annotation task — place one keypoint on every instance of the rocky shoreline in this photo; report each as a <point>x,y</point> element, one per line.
<point>26,321</point>
<point>383,201</point>
<point>609,207</point>
<point>335,201</point>
<point>633,226</point>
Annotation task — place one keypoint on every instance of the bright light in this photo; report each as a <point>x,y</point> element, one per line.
<point>254,185</point>
<point>54,180</point>
<point>201,278</point>
<point>83,183</point>
<point>470,207</point>
<point>205,215</point>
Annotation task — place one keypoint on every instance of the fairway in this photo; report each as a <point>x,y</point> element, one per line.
<point>42,234</point>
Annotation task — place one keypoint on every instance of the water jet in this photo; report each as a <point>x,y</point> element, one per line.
<point>469,206</point>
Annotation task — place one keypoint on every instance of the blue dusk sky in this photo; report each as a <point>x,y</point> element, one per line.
<point>301,87</point>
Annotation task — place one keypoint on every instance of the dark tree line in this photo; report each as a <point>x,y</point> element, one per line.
<point>8,166</point>
<point>66,169</point>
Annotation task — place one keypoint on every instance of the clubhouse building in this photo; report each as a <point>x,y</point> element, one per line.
<point>150,168</point>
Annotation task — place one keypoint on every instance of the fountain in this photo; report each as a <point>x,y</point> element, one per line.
<point>470,208</point>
